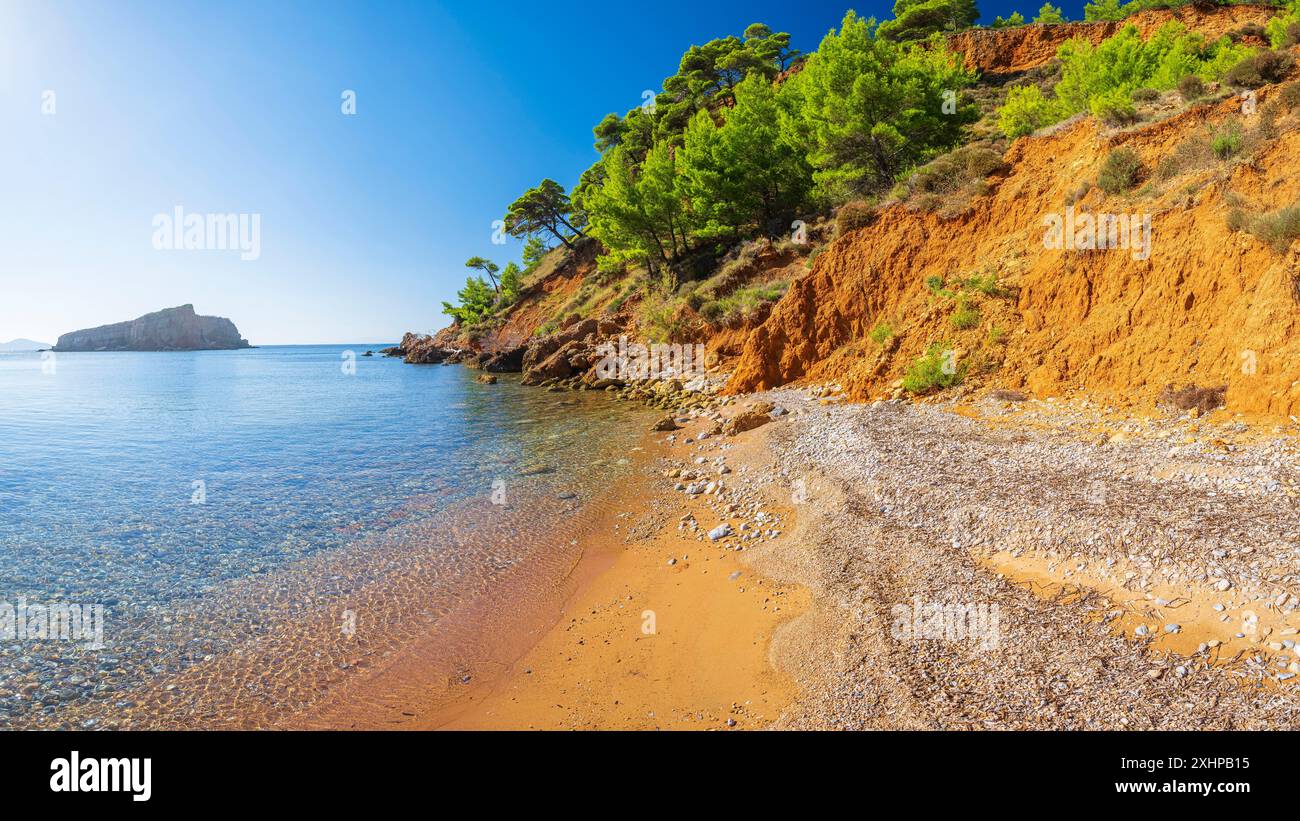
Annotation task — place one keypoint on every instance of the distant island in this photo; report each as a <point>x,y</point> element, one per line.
<point>172,329</point>
<point>23,345</point>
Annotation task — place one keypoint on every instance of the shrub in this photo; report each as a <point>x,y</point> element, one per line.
<point>661,319</point>
<point>1260,69</point>
<point>1027,110</point>
<point>1121,171</point>
<point>1226,141</point>
<point>1237,220</point>
<point>1279,228</point>
<point>880,333</point>
<point>712,311</point>
<point>1193,152</point>
<point>744,303</point>
<point>852,216</point>
<point>1115,108</point>
<point>1146,95</point>
<point>1191,88</point>
<point>956,169</point>
<point>1203,399</point>
<point>1249,30</point>
<point>934,284</point>
<point>935,370</point>
<point>1290,96</point>
<point>966,316</point>
<point>987,285</point>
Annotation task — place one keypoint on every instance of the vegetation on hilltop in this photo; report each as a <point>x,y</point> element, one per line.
<point>751,145</point>
<point>1101,79</point>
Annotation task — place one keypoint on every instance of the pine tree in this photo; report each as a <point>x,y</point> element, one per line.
<point>742,174</point>
<point>868,109</point>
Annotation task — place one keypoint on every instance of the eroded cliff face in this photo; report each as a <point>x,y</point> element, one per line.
<point>172,329</point>
<point>1208,305</point>
<point>1009,51</point>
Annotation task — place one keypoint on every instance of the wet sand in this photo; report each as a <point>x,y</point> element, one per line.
<point>637,643</point>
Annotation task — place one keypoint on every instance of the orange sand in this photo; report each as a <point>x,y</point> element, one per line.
<point>596,661</point>
<point>706,662</point>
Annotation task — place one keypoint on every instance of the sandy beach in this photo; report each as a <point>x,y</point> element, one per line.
<point>1137,567</point>
<point>1129,570</point>
<point>669,629</point>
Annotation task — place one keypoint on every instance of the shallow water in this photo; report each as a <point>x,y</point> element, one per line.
<point>259,524</point>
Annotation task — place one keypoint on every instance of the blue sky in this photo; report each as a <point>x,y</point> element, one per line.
<point>234,107</point>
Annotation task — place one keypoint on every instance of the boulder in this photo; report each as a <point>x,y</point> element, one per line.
<point>665,424</point>
<point>510,360</point>
<point>742,422</point>
<point>424,351</point>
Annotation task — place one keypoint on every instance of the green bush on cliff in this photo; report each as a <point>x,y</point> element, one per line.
<point>743,303</point>
<point>1120,172</point>
<point>966,315</point>
<point>936,370</point>
<point>1280,27</point>
<point>475,302</point>
<point>1101,79</point>
<point>1027,109</point>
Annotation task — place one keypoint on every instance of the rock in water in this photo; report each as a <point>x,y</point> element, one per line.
<point>172,329</point>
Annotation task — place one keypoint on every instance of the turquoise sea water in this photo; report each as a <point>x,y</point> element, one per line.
<point>229,505</point>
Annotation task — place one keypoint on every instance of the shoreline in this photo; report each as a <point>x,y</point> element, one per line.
<point>666,629</point>
<point>794,631</point>
<point>550,665</point>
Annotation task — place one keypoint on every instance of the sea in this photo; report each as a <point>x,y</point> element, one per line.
<point>228,538</point>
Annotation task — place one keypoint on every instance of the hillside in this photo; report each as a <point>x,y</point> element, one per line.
<point>1013,50</point>
<point>1097,320</point>
<point>1209,304</point>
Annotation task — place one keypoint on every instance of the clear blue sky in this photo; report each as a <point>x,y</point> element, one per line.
<point>234,107</point>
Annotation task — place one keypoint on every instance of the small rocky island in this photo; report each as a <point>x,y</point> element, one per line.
<point>171,329</point>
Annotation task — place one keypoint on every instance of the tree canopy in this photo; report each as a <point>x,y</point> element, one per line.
<point>918,19</point>
<point>868,108</point>
<point>545,208</point>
